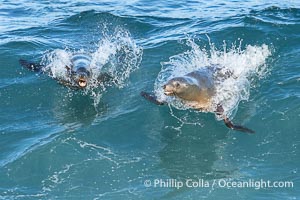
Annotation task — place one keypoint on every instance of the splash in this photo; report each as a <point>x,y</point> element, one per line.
<point>116,54</point>
<point>244,64</point>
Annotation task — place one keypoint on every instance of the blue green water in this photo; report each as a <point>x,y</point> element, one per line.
<point>56,143</point>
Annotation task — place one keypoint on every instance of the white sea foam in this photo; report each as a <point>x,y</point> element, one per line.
<point>244,64</point>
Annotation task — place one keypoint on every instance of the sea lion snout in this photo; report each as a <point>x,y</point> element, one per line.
<point>171,87</point>
<point>82,77</point>
<point>168,90</point>
<point>174,86</point>
<point>181,87</point>
<point>82,80</point>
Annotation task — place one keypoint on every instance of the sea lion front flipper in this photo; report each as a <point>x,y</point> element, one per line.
<point>229,124</point>
<point>31,65</point>
<point>152,98</point>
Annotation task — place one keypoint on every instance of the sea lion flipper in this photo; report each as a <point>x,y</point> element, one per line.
<point>31,65</point>
<point>230,125</point>
<point>152,98</point>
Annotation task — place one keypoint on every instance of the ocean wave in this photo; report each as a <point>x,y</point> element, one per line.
<point>275,16</point>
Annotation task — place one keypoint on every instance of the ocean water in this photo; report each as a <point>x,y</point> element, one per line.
<point>108,142</point>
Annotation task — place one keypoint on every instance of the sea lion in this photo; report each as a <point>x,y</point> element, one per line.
<point>79,73</point>
<point>197,90</point>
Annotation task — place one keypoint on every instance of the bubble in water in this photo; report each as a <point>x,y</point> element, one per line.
<point>242,64</point>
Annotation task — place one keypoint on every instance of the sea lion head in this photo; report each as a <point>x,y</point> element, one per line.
<point>82,76</point>
<point>81,70</point>
<point>181,87</point>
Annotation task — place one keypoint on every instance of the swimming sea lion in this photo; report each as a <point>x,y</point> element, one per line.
<point>78,74</point>
<point>197,90</point>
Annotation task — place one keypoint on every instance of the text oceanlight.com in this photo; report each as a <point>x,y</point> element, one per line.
<point>220,183</point>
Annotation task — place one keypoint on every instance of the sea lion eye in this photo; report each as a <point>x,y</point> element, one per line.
<point>177,84</point>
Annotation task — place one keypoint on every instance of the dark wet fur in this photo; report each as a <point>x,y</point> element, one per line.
<point>31,65</point>
<point>151,97</point>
